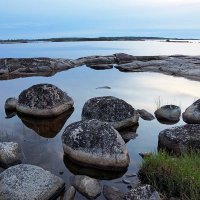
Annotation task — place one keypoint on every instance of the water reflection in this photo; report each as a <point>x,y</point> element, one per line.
<point>167,122</point>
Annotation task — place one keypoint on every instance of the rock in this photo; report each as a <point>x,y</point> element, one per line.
<point>100,66</point>
<point>10,103</point>
<point>168,113</point>
<point>44,100</point>
<point>28,182</point>
<point>180,139</point>
<point>112,193</point>
<point>192,113</point>
<point>145,115</point>
<point>69,194</point>
<point>145,192</point>
<point>10,154</point>
<point>95,144</point>
<point>110,109</point>
<point>124,58</point>
<point>129,133</point>
<point>1,169</point>
<point>89,187</point>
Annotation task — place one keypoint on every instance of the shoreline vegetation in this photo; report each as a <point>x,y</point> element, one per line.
<point>95,39</point>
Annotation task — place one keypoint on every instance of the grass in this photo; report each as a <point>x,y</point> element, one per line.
<point>173,176</point>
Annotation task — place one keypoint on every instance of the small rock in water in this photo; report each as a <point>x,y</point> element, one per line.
<point>112,193</point>
<point>69,194</point>
<point>126,181</point>
<point>145,115</point>
<point>131,175</point>
<point>11,103</point>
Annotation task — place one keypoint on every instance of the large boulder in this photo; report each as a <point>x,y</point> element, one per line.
<point>96,144</point>
<point>168,113</point>
<point>28,182</point>
<point>110,109</point>
<point>192,113</point>
<point>180,139</point>
<point>44,100</point>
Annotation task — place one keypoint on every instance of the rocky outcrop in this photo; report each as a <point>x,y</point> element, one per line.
<point>89,187</point>
<point>168,113</point>
<point>112,193</point>
<point>43,100</point>
<point>28,182</point>
<point>145,115</point>
<point>180,139</point>
<point>96,144</point>
<point>192,113</point>
<point>116,112</point>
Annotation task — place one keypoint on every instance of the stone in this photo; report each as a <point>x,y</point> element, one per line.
<point>116,112</point>
<point>96,144</point>
<point>192,113</point>
<point>145,192</point>
<point>112,193</point>
<point>43,100</point>
<point>89,187</point>
<point>180,139</point>
<point>10,103</point>
<point>145,115</point>
<point>10,154</point>
<point>100,66</point>
<point>69,194</point>
<point>129,133</point>
<point>168,113</point>
<point>28,182</point>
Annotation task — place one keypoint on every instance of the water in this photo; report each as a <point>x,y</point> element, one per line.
<point>141,90</point>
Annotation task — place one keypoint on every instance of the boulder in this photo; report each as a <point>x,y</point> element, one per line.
<point>192,113</point>
<point>44,100</point>
<point>112,193</point>
<point>10,154</point>
<point>89,187</point>
<point>10,103</point>
<point>69,194</point>
<point>145,115</point>
<point>145,192</point>
<point>116,112</point>
<point>96,144</point>
<point>180,139</point>
<point>168,113</point>
<point>28,182</point>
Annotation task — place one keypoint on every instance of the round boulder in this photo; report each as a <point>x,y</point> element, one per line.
<point>192,113</point>
<point>168,113</point>
<point>96,144</point>
<point>180,139</point>
<point>43,100</point>
<point>110,109</point>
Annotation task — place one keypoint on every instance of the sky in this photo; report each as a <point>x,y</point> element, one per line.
<point>93,18</point>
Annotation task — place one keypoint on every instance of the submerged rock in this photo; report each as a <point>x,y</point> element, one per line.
<point>110,109</point>
<point>180,139</point>
<point>28,182</point>
<point>97,144</point>
<point>10,154</point>
<point>69,194</point>
<point>89,187</point>
<point>192,113</point>
<point>145,115</point>
<point>10,104</point>
<point>112,193</point>
<point>44,100</point>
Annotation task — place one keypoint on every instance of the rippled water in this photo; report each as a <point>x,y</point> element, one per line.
<point>41,140</point>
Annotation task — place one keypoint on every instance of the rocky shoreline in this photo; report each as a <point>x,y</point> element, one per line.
<point>176,65</point>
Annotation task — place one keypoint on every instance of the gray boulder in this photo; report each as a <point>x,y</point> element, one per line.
<point>43,100</point>
<point>110,109</point>
<point>112,193</point>
<point>192,113</point>
<point>180,139</point>
<point>145,192</point>
<point>96,144</point>
<point>10,103</point>
<point>168,113</point>
<point>69,194</point>
<point>89,187</point>
<point>145,115</point>
<point>10,154</point>
<point>28,182</point>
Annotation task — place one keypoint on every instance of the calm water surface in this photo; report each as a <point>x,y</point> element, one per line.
<point>43,147</point>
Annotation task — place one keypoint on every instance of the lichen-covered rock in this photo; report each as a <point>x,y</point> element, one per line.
<point>180,139</point>
<point>10,103</point>
<point>43,100</point>
<point>89,187</point>
<point>145,115</point>
<point>10,154</point>
<point>112,193</point>
<point>145,192</point>
<point>96,144</point>
<point>192,113</point>
<point>28,182</point>
<point>116,112</point>
<point>168,113</point>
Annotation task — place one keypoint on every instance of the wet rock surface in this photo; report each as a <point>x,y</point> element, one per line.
<point>145,115</point>
<point>10,154</point>
<point>116,112</point>
<point>44,100</point>
<point>112,193</point>
<point>28,182</point>
<point>180,139</point>
<point>89,187</point>
<point>97,144</point>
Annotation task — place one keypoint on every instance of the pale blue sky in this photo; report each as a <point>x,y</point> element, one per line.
<point>91,18</point>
